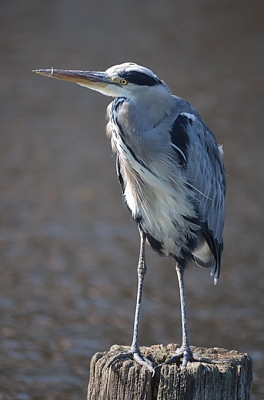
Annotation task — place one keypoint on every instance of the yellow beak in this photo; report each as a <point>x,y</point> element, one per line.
<point>90,79</point>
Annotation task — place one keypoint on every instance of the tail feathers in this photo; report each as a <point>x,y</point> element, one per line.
<point>210,263</point>
<point>209,256</point>
<point>203,255</point>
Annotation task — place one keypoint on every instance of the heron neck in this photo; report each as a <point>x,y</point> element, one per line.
<point>145,113</point>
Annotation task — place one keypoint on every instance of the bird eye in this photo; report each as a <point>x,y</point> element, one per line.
<point>123,82</point>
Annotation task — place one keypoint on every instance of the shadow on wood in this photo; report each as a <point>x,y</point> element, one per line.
<point>126,380</point>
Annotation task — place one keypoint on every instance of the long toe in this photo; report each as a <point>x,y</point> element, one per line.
<point>176,359</point>
<point>184,355</point>
<point>137,357</point>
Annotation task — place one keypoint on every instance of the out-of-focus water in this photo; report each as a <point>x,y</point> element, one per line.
<point>68,248</point>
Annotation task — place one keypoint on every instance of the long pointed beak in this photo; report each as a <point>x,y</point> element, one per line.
<point>92,80</point>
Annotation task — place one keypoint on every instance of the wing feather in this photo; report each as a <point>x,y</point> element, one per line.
<point>205,172</point>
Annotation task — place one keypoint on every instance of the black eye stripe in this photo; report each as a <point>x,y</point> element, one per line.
<point>140,78</point>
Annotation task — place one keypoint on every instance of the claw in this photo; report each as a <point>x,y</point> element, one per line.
<point>187,355</point>
<point>137,357</point>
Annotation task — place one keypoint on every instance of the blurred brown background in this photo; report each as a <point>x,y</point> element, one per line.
<point>68,248</point>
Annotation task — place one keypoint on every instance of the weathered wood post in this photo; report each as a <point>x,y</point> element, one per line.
<point>126,380</point>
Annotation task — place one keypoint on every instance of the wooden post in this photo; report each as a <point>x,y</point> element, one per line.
<point>126,380</point>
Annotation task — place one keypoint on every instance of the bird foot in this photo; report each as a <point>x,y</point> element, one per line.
<point>136,356</point>
<point>186,355</point>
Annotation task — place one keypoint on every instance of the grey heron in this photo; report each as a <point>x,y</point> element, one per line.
<point>171,173</point>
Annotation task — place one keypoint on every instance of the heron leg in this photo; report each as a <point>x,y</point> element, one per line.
<point>134,352</point>
<point>185,353</point>
<point>185,350</point>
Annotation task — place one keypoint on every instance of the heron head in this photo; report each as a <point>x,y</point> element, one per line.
<point>128,79</point>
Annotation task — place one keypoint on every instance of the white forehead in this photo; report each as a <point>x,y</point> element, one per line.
<point>127,67</point>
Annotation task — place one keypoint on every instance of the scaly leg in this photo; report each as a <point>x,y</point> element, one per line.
<point>184,352</point>
<point>134,352</point>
